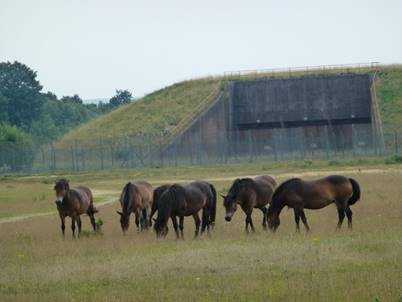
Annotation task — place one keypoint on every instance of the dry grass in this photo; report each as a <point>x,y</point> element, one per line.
<point>362,265</point>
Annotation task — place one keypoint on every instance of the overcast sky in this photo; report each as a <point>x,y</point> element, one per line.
<point>92,47</point>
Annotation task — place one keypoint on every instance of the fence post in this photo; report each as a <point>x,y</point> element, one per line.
<point>53,158</point>
<point>72,158</point>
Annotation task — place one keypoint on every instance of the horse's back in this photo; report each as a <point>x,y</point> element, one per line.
<point>266,180</point>
<point>205,188</point>
<point>319,193</point>
<point>267,185</point>
<point>341,186</point>
<point>146,192</point>
<point>196,199</point>
<point>85,198</point>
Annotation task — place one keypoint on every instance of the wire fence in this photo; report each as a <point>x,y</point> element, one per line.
<point>137,152</point>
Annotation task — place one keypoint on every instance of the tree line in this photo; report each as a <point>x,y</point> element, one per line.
<point>30,117</point>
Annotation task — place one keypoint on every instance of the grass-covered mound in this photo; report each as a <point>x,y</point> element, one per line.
<point>170,109</point>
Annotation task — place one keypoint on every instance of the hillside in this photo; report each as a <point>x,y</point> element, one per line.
<point>164,111</point>
<point>389,93</point>
<point>158,112</point>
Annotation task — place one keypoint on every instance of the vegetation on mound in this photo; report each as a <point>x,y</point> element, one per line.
<point>389,93</point>
<point>163,110</point>
<point>156,113</point>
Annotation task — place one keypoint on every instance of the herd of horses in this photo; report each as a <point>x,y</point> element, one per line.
<point>176,201</point>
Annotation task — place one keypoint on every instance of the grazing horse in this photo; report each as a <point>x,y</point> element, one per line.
<point>180,201</point>
<point>158,191</point>
<point>249,193</point>
<point>135,198</point>
<point>73,203</point>
<point>299,195</point>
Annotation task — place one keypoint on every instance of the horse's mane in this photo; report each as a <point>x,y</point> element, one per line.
<point>276,201</point>
<point>62,183</point>
<point>158,193</point>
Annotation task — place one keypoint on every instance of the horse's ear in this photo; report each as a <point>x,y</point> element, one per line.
<point>120,213</point>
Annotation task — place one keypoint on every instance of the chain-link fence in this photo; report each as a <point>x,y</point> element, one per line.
<point>136,152</point>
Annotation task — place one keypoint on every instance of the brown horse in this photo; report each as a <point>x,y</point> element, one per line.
<point>299,195</point>
<point>180,201</point>
<point>73,203</point>
<point>135,198</point>
<point>249,193</point>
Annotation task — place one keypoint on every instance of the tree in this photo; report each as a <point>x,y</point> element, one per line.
<point>73,99</point>
<point>20,91</point>
<point>16,149</point>
<point>122,97</point>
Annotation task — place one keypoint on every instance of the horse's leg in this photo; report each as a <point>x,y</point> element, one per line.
<point>349,214</point>
<point>92,219</point>
<point>137,220</point>
<point>197,222</point>
<point>143,219</point>
<point>249,221</point>
<point>304,220</point>
<point>63,224</point>
<point>181,226</point>
<point>205,220</point>
<point>73,225</point>
<point>297,219</point>
<point>264,211</point>
<point>175,226</point>
<point>341,216</point>
<point>79,224</point>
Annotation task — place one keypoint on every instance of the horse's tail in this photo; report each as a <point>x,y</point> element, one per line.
<point>212,214</point>
<point>126,197</point>
<point>356,192</point>
<point>91,209</point>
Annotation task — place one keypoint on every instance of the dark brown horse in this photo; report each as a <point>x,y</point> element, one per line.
<point>73,203</point>
<point>249,193</point>
<point>158,191</point>
<point>180,201</point>
<point>135,198</point>
<point>299,195</point>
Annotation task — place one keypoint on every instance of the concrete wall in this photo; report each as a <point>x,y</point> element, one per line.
<point>281,116</point>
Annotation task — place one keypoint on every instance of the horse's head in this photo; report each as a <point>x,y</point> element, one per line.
<point>240,188</point>
<point>61,187</point>
<point>124,221</point>
<point>230,204</point>
<point>170,201</point>
<point>161,229</point>
<point>273,219</point>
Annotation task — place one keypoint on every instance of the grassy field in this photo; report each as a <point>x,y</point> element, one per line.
<point>360,265</point>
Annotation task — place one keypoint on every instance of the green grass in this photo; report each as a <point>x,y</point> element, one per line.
<point>161,111</point>
<point>155,113</point>
<point>389,91</point>
<point>360,265</point>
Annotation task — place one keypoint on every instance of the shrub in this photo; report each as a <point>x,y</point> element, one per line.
<point>16,149</point>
